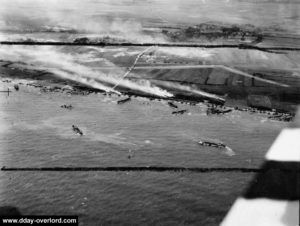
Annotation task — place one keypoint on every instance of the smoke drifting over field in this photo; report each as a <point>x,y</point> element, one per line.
<point>127,18</point>
<point>67,66</point>
<point>70,17</point>
<point>89,14</point>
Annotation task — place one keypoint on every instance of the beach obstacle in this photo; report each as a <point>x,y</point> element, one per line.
<point>6,91</point>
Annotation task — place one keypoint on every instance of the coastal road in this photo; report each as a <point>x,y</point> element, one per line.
<point>226,68</point>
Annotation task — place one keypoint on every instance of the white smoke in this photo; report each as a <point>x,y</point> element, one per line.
<point>67,66</point>
<point>188,89</point>
<point>90,18</point>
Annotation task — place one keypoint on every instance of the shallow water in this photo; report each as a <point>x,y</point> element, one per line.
<point>36,132</point>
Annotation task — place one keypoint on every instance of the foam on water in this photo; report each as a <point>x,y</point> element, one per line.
<point>65,132</point>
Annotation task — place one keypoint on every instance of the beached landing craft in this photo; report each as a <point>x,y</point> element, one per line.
<point>123,100</point>
<point>217,110</point>
<point>181,112</point>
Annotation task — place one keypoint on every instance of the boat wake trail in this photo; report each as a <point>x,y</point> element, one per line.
<point>229,151</point>
<point>66,132</point>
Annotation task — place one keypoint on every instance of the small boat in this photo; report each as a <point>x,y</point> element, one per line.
<point>67,106</point>
<point>124,100</point>
<point>217,110</point>
<point>172,105</point>
<point>212,143</point>
<point>216,144</point>
<point>179,112</point>
<point>77,130</point>
<point>281,117</point>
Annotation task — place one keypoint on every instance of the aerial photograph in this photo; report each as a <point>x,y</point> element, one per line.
<point>150,112</point>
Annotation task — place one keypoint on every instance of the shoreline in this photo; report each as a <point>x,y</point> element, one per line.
<point>73,90</point>
<point>207,87</point>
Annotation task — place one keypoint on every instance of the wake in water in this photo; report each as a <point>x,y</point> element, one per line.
<point>229,151</point>
<point>208,142</point>
<point>66,132</point>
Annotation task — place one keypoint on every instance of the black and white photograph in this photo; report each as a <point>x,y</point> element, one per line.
<point>150,112</point>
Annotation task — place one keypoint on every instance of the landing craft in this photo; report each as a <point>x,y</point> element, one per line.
<point>179,112</point>
<point>217,110</point>
<point>124,100</point>
<point>77,130</point>
<point>211,144</point>
<point>67,106</point>
<point>172,105</point>
<point>281,117</point>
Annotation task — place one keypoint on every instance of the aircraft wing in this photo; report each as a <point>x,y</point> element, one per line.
<point>273,195</point>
